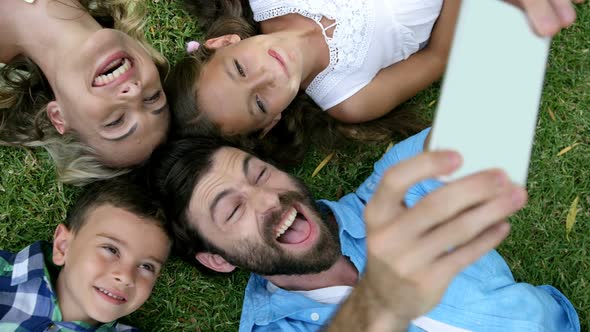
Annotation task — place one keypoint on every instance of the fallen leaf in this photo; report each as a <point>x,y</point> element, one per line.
<point>551,114</point>
<point>389,146</point>
<point>571,217</point>
<point>322,164</point>
<point>432,103</point>
<point>567,149</point>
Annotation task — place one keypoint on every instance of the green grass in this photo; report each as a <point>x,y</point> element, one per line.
<point>32,203</point>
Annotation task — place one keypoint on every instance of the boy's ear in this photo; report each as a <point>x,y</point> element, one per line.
<point>269,126</point>
<point>61,242</point>
<point>218,42</point>
<point>55,115</point>
<point>214,262</point>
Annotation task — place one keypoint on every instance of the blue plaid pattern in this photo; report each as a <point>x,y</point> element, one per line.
<point>27,300</point>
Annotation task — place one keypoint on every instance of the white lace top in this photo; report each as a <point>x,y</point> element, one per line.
<point>369,35</point>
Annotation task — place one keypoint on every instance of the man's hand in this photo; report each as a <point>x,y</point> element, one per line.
<point>414,253</point>
<point>548,16</point>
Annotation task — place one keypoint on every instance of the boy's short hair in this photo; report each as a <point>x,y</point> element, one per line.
<point>120,192</point>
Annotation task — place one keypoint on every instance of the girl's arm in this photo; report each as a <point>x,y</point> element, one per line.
<point>402,80</point>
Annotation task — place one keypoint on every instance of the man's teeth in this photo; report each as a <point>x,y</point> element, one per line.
<point>104,291</point>
<point>288,222</point>
<point>108,78</point>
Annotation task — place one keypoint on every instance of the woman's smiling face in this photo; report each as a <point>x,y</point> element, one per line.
<point>110,94</point>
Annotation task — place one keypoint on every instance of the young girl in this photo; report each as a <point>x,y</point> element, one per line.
<point>356,59</point>
<point>91,96</point>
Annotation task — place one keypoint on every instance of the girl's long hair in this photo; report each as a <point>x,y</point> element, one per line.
<point>302,123</point>
<point>25,93</point>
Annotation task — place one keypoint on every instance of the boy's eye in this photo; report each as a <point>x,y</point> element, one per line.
<point>260,105</point>
<point>148,267</point>
<point>115,123</point>
<point>239,68</point>
<point>111,250</point>
<point>154,98</point>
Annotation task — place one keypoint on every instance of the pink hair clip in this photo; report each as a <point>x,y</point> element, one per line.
<point>192,46</point>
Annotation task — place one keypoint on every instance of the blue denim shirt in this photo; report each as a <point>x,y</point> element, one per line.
<point>483,297</point>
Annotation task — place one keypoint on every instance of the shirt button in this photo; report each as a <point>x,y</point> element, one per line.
<point>315,316</point>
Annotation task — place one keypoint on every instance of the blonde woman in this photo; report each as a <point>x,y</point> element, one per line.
<point>81,81</point>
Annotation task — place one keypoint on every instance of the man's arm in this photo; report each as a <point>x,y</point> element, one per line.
<point>414,253</point>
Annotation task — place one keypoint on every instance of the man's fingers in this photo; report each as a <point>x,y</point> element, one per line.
<point>446,267</point>
<point>467,226</point>
<point>451,200</point>
<point>547,17</point>
<point>387,202</point>
<point>424,250</point>
<point>565,12</point>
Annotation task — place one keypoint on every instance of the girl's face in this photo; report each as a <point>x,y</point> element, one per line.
<point>247,84</point>
<point>108,92</point>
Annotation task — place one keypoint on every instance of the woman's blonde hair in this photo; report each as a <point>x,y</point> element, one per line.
<point>25,93</point>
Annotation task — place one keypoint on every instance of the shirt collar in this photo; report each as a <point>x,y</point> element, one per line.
<point>347,221</point>
<point>29,263</point>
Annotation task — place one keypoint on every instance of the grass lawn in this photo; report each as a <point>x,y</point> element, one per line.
<point>538,250</point>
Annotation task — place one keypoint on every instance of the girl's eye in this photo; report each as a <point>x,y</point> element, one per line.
<point>115,123</point>
<point>148,267</point>
<point>234,211</point>
<point>261,175</point>
<point>154,98</point>
<point>111,250</point>
<point>239,68</point>
<point>260,105</point>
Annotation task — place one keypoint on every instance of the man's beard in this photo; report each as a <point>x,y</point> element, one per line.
<point>269,258</point>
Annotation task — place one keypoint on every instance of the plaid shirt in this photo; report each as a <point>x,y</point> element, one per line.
<point>27,299</point>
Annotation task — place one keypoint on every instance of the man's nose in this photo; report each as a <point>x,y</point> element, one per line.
<point>266,201</point>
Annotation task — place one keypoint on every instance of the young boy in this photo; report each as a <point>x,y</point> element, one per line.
<point>102,265</point>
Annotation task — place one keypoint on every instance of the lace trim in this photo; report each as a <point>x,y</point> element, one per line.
<point>354,24</point>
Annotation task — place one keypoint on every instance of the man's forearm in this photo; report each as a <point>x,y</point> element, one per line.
<point>363,312</point>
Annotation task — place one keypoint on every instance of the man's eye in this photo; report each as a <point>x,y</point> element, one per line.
<point>261,175</point>
<point>234,211</point>
<point>260,105</point>
<point>115,123</point>
<point>239,68</point>
<point>154,98</point>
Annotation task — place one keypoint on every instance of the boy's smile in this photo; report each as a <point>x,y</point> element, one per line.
<point>109,266</point>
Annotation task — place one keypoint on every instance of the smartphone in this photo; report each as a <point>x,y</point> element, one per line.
<point>491,91</point>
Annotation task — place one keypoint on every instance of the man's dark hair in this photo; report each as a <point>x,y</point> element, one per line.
<point>120,192</point>
<point>175,169</point>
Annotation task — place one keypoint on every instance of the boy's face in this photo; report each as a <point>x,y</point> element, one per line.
<point>109,266</point>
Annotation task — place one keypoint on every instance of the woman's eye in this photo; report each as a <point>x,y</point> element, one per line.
<point>234,211</point>
<point>115,123</point>
<point>260,105</point>
<point>239,68</point>
<point>154,98</point>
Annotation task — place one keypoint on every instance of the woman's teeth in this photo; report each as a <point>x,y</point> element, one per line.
<point>289,219</point>
<point>108,78</point>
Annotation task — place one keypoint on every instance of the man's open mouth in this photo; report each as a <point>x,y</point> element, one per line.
<point>294,228</point>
